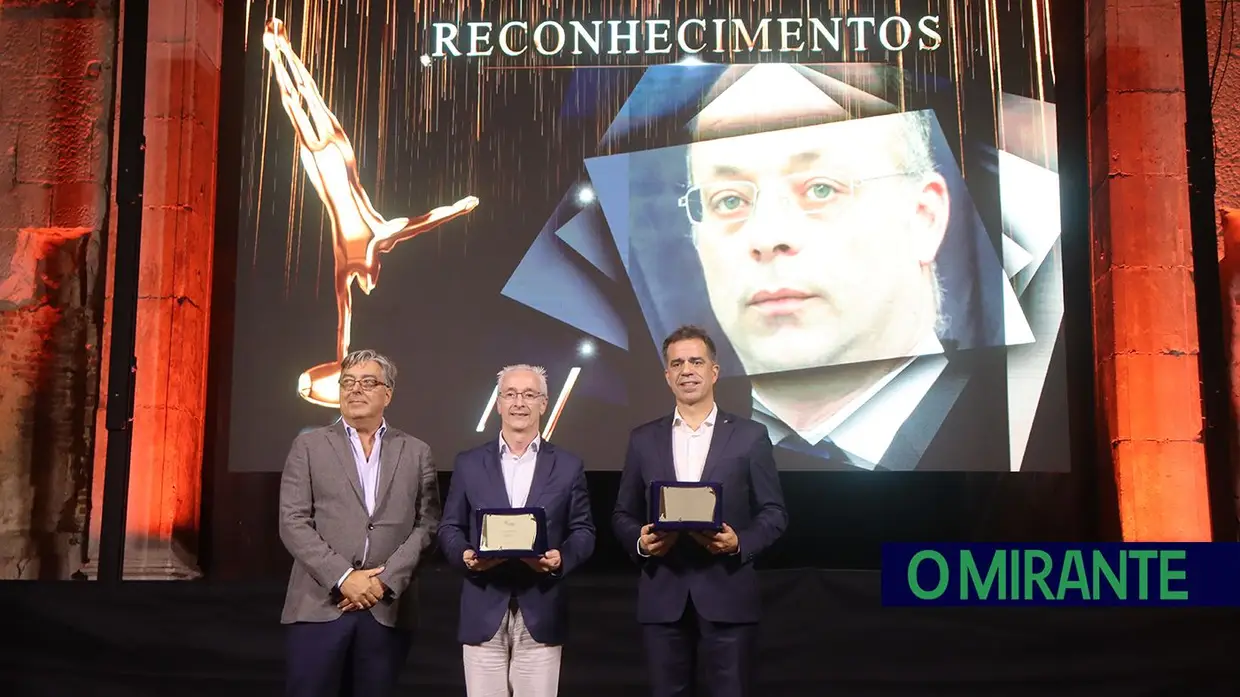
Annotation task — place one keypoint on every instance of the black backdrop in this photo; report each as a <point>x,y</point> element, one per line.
<point>839,519</point>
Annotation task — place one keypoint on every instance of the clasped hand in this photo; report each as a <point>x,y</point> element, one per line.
<point>550,561</point>
<point>362,590</point>
<point>722,542</point>
<point>657,544</point>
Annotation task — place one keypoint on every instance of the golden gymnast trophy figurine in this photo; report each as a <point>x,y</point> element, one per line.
<point>359,233</point>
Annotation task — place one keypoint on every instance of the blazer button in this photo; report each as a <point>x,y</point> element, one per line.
<point>357,564</point>
<point>370,527</point>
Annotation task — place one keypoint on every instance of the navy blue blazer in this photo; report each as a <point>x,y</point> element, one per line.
<point>559,487</point>
<point>724,588</point>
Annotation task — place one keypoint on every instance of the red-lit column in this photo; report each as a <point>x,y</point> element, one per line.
<point>55,97</point>
<point>182,93</point>
<point>1229,270</point>
<point>1144,301</point>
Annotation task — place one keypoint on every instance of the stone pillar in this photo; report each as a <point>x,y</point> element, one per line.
<point>55,97</point>
<point>1222,26</point>
<point>174,294</point>
<point>1145,324</point>
<point>1229,272</point>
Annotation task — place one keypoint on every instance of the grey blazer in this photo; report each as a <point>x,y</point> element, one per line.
<point>324,523</point>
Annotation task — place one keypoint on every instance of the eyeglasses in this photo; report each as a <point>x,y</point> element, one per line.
<point>367,384</point>
<point>730,203</point>
<point>527,395</point>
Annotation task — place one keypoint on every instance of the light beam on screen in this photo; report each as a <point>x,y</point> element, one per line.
<point>560,402</point>
<point>486,411</point>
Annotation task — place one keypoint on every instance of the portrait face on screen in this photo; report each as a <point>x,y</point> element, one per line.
<point>818,244</point>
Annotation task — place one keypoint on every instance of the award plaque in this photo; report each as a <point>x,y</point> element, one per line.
<point>686,506</point>
<point>511,532</point>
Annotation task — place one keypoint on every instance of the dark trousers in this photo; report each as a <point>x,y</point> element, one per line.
<point>353,656</point>
<point>726,652</point>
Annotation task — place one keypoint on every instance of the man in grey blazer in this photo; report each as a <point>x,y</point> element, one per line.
<point>359,505</point>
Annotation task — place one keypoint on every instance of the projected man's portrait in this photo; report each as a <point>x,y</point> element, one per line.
<point>838,252</point>
<point>818,244</point>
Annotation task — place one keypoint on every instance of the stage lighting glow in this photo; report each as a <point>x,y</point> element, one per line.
<point>585,196</point>
<point>586,348</point>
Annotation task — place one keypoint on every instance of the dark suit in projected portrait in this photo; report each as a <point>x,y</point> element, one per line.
<point>514,613</point>
<point>820,250</point>
<point>359,505</point>
<point>698,594</point>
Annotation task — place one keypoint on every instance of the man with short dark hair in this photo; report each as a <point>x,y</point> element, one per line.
<point>359,504</point>
<point>700,590</point>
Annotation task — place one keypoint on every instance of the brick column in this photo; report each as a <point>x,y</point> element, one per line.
<point>182,93</point>
<point>1145,324</point>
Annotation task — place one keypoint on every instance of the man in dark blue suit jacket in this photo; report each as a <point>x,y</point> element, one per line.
<point>514,613</point>
<point>700,589</point>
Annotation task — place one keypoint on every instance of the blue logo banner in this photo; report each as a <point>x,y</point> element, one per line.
<point>1161,574</point>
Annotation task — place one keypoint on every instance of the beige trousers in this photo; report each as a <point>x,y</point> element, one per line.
<point>511,663</point>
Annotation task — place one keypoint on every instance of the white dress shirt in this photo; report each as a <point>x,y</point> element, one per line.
<point>865,427</point>
<point>367,473</point>
<point>518,471</point>
<point>689,450</point>
<point>689,447</point>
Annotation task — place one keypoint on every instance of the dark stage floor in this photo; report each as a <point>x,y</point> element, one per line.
<point>825,634</point>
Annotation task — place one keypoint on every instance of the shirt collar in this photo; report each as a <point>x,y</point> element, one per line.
<point>678,420</point>
<point>533,447</point>
<point>351,432</point>
<point>779,430</point>
<point>866,427</point>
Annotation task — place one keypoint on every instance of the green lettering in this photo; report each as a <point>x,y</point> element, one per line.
<point>970,578</point>
<point>1102,567</point>
<point>1014,586</point>
<point>1038,577</point>
<point>915,586</point>
<point>1166,575</point>
<point>1074,566</point>
<point>1143,573</point>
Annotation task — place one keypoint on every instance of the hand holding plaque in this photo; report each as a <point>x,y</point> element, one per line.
<point>690,506</point>
<point>511,532</point>
<point>550,562</point>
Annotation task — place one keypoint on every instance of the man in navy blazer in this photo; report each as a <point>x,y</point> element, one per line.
<point>513,612</point>
<point>697,589</point>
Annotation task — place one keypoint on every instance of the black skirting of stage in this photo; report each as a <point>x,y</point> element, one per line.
<point>825,633</point>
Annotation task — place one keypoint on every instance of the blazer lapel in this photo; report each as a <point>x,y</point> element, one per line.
<point>543,465</point>
<point>667,458</point>
<point>389,460</point>
<point>496,475</point>
<point>340,443</point>
<point>718,445</point>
